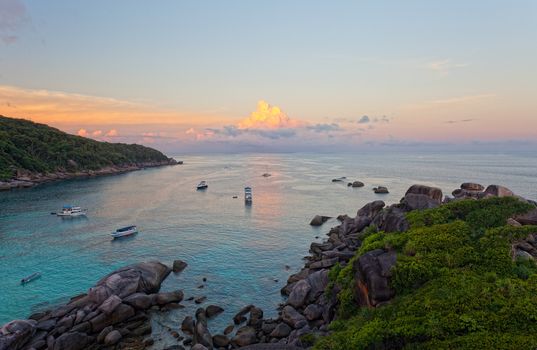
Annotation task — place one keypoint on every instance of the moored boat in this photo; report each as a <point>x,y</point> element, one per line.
<point>31,278</point>
<point>125,231</point>
<point>202,185</point>
<point>248,195</point>
<point>71,211</point>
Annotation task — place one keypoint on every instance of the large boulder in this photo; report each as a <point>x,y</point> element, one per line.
<point>110,304</point>
<point>370,210</point>
<point>140,301</point>
<point>498,191</point>
<point>392,219</point>
<point>213,310</point>
<point>143,277</point>
<point>178,266</point>
<point>413,201</point>
<point>72,341</point>
<point>530,218</point>
<point>470,186</point>
<point>121,313</point>
<point>318,282</point>
<point>201,332</point>
<point>281,330</point>
<point>318,220</point>
<point>381,190</point>
<point>245,336</point>
<point>168,297</point>
<point>293,318</point>
<point>373,273</point>
<point>15,334</point>
<point>431,192</point>
<point>298,295</point>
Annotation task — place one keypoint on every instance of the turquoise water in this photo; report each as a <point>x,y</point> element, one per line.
<point>240,250</point>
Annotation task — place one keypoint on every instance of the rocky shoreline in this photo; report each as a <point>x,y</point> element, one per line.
<point>26,179</point>
<point>115,314</point>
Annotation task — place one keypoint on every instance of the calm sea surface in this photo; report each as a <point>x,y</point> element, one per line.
<point>241,250</point>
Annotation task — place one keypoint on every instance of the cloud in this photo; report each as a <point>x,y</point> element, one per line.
<point>13,16</point>
<point>58,108</point>
<point>97,133</point>
<point>444,67</point>
<point>190,131</point>
<point>364,120</point>
<point>112,133</point>
<point>459,121</point>
<point>324,127</point>
<point>267,117</point>
<point>82,132</point>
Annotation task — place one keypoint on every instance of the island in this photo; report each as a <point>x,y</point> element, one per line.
<point>32,153</point>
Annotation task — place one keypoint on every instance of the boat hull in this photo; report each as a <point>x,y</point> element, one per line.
<point>124,233</point>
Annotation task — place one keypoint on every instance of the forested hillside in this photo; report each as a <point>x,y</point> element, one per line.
<point>38,148</point>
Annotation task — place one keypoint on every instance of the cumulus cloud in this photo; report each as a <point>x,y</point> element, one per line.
<point>267,117</point>
<point>13,16</point>
<point>364,120</point>
<point>112,133</point>
<point>82,132</point>
<point>97,133</point>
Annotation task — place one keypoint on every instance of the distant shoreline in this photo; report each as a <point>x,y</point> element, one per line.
<point>29,180</point>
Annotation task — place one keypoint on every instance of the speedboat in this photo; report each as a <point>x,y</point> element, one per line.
<point>248,195</point>
<point>124,231</point>
<point>30,278</point>
<point>70,210</point>
<point>202,185</point>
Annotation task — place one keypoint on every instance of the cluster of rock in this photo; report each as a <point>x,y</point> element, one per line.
<point>113,314</point>
<point>25,179</point>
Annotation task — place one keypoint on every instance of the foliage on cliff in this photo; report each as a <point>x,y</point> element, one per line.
<point>39,148</point>
<point>457,286</point>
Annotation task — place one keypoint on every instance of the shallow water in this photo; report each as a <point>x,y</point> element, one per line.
<point>241,250</point>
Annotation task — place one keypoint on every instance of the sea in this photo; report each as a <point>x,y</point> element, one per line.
<point>245,252</point>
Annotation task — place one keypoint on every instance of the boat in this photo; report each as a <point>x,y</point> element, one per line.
<point>30,278</point>
<point>339,179</point>
<point>202,185</point>
<point>248,195</point>
<point>70,211</point>
<point>266,175</point>
<point>124,231</point>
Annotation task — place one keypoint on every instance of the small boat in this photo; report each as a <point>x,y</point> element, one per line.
<point>339,179</point>
<point>266,175</point>
<point>125,231</point>
<point>202,185</point>
<point>71,211</point>
<point>248,195</point>
<point>30,278</point>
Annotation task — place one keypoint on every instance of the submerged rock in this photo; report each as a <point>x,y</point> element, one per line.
<point>179,265</point>
<point>318,220</point>
<point>380,190</point>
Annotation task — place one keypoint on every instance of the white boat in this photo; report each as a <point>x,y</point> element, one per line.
<point>125,231</point>
<point>70,210</point>
<point>248,195</point>
<point>202,185</point>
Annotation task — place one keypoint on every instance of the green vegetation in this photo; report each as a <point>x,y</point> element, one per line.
<point>38,148</point>
<point>457,286</point>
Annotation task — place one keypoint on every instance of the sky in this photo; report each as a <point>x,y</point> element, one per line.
<point>285,76</point>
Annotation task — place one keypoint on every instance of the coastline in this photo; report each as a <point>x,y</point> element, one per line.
<point>26,179</point>
<point>121,306</point>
